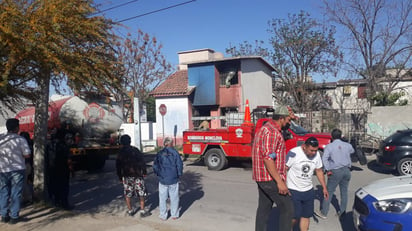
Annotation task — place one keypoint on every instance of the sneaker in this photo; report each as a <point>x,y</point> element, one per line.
<point>320,214</point>
<point>145,213</point>
<point>14,221</point>
<point>175,218</point>
<point>341,215</point>
<point>5,219</point>
<point>131,212</point>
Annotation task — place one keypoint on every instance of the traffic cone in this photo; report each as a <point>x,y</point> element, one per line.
<point>247,120</point>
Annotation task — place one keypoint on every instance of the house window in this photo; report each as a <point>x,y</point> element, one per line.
<point>346,90</point>
<point>229,78</point>
<point>361,92</point>
<point>229,72</point>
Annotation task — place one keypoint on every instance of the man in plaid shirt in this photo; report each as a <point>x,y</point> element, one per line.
<point>269,171</point>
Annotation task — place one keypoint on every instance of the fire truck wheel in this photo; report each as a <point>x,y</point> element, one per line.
<point>215,159</point>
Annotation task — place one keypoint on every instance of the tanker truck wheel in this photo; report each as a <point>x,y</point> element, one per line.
<point>215,159</point>
<point>361,156</point>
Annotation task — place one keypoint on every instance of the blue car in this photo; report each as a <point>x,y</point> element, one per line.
<point>384,205</point>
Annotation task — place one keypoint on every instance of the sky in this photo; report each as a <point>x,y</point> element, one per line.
<point>199,24</point>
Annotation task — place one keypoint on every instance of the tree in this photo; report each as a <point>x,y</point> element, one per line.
<point>50,42</point>
<point>381,99</point>
<point>151,108</point>
<point>247,49</point>
<point>144,67</point>
<point>300,47</point>
<point>379,46</point>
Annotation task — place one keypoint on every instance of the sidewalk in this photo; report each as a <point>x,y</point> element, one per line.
<point>40,217</point>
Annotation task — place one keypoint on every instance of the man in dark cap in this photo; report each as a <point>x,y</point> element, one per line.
<point>269,171</point>
<point>131,168</point>
<point>13,151</point>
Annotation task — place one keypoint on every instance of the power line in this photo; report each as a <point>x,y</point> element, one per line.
<point>114,7</point>
<point>155,11</point>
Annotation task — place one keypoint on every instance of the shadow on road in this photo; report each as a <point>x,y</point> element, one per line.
<point>374,166</point>
<point>243,163</point>
<point>191,190</point>
<point>94,192</point>
<point>102,191</point>
<point>346,221</point>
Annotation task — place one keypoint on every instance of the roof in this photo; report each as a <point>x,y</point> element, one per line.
<point>175,85</point>
<point>234,58</point>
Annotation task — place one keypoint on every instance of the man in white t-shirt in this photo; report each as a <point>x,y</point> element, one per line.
<point>301,163</point>
<point>13,151</point>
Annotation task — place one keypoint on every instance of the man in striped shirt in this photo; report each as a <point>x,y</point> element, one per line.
<point>269,171</point>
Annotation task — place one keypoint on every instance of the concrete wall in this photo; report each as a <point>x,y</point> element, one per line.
<point>148,135</point>
<point>384,121</point>
<point>177,117</point>
<point>256,82</point>
<point>340,101</point>
<point>198,55</point>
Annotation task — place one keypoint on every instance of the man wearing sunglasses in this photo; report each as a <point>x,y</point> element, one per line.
<point>301,163</point>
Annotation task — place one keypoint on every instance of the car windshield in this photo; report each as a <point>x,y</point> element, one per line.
<point>297,128</point>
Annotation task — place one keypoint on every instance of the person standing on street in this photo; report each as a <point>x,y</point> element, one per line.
<point>59,162</point>
<point>168,167</point>
<point>131,170</point>
<point>269,171</point>
<point>301,163</point>
<point>29,176</point>
<point>337,162</point>
<point>13,151</point>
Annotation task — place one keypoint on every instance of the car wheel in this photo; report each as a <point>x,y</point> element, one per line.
<point>215,159</point>
<point>405,166</point>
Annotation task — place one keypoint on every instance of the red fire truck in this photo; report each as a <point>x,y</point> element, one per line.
<point>216,146</point>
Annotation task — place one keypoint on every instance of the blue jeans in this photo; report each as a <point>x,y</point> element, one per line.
<point>11,186</point>
<point>171,191</point>
<point>339,177</point>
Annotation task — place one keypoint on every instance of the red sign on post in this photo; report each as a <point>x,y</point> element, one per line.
<point>162,109</point>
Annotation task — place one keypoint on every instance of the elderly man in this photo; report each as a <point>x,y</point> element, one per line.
<point>168,167</point>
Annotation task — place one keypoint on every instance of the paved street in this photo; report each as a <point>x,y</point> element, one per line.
<point>224,200</point>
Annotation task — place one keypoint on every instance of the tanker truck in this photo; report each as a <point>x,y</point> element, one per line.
<point>94,124</point>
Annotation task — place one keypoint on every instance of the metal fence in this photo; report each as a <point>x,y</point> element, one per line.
<point>352,122</point>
